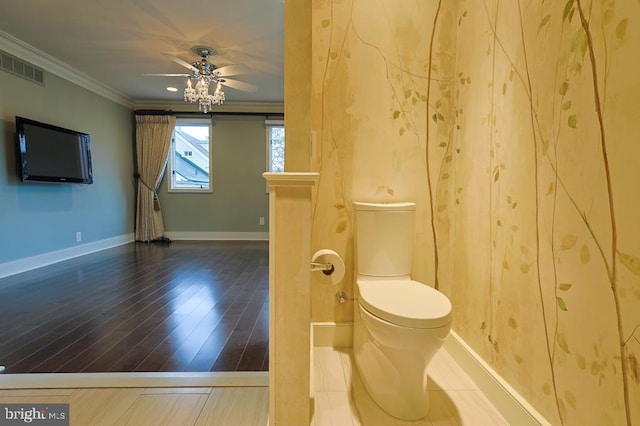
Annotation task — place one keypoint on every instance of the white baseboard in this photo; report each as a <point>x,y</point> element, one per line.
<point>133,380</point>
<point>28,263</point>
<point>332,334</point>
<point>513,407</point>
<point>198,236</point>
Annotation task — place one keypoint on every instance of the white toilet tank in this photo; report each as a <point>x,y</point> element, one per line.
<point>383,238</point>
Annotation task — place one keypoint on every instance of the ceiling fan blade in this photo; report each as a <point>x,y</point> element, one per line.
<point>181,62</point>
<point>167,75</point>
<point>232,70</point>
<point>239,85</point>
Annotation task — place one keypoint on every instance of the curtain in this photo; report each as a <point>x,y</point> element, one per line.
<point>153,140</point>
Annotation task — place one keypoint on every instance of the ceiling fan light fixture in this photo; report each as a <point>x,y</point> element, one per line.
<point>200,93</point>
<point>203,74</point>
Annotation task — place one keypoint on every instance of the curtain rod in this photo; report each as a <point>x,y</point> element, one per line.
<point>198,113</point>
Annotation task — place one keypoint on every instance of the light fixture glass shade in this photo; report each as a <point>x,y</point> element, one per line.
<point>200,93</point>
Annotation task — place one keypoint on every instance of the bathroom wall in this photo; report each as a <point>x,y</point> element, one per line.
<point>547,131</point>
<point>370,65</point>
<point>514,127</point>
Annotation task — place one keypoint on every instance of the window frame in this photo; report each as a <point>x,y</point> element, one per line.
<point>208,121</point>
<point>269,124</point>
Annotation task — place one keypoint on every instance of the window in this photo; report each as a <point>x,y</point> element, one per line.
<point>275,145</point>
<point>189,158</point>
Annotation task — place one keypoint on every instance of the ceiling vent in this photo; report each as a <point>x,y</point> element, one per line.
<point>15,66</point>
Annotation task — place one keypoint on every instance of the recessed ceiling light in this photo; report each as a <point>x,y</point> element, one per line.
<point>172,89</point>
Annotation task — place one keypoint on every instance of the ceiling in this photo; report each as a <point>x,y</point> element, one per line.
<point>115,42</point>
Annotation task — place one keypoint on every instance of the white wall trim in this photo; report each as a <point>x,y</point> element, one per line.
<point>331,334</point>
<point>25,51</point>
<point>133,380</point>
<point>263,107</point>
<point>245,236</point>
<point>28,263</point>
<point>513,407</point>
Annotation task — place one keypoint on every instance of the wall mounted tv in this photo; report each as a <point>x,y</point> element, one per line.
<point>48,153</point>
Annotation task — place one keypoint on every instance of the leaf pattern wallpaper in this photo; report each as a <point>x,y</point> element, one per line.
<point>515,127</point>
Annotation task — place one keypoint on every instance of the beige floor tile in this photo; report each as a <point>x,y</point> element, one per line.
<point>333,409</point>
<point>161,391</point>
<point>34,399</point>
<point>329,372</point>
<point>246,406</point>
<point>36,392</point>
<point>348,363</point>
<point>369,413</point>
<point>455,398</point>
<point>463,408</point>
<point>445,374</point>
<point>103,406</point>
<point>153,410</point>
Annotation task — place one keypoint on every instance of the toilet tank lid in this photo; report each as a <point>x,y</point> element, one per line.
<point>358,205</point>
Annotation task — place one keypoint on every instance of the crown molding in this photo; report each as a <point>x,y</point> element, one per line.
<point>22,50</point>
<point>227,106</point>
<point>49,64</point>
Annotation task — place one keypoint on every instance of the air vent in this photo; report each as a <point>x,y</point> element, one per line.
<point>15,66</point>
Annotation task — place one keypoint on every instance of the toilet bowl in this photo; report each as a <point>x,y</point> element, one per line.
<point>399,323</point>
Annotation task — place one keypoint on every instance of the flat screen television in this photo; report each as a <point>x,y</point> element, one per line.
<point>48,153</point>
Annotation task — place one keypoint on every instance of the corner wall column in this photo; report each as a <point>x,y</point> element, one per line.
<point>289,296</point>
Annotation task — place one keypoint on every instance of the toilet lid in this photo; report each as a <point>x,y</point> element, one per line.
<point>406,303</point>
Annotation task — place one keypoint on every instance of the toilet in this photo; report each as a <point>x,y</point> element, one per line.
<point>399,323</point>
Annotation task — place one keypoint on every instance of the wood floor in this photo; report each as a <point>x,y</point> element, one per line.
<point>181,307</point>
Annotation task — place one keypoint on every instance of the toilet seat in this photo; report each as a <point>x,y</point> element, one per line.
<point>405,303</point>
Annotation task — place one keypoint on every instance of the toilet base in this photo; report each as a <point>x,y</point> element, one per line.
<point>392,362</point>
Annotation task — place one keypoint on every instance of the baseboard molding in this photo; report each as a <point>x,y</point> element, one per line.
<point>33,262</point>
<point>133,380</point>
<point>513,407</point>
<point>332,334</point>
<point>198,236</point>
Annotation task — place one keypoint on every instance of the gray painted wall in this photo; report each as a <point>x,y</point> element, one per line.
<point>37,218</point>
<point>239,195</point>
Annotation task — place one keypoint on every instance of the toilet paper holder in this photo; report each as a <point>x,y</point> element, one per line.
<point>330,264</point>
<point>326,268</point>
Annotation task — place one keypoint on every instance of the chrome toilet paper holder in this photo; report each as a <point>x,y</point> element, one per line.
<point>330,264</point>
<point>326,268</point>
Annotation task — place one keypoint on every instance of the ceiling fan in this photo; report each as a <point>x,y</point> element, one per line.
<point>203,73</point>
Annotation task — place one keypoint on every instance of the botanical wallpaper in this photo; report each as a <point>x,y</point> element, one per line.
<point>515,127</point>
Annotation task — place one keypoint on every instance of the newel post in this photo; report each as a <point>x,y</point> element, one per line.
<point>289,296</point>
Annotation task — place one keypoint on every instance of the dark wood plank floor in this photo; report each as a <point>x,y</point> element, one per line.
<point>186,306</point>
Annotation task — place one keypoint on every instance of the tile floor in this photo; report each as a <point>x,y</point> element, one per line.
<point>341,400</point>
<point>244,406</point>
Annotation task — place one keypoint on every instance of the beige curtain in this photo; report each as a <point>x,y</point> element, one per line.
<point>153,140</point>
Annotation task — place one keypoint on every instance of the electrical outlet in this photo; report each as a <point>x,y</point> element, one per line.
<point>262,221</point>
<point>78,236</point>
